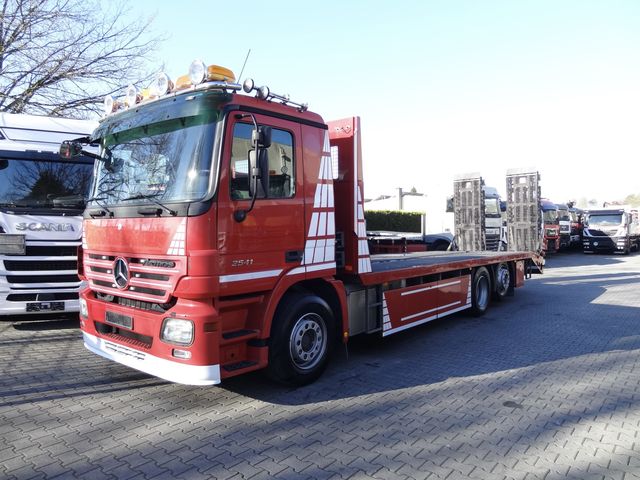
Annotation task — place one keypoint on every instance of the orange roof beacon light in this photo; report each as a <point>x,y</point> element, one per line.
<point>200,76</point>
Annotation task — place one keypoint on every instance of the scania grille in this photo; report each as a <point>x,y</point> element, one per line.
<point>49,251</point>
<point>40,265</point>
<point>49,266</point>
<point>149,279</point>
<point>492,243</point>
<point>24,279</point>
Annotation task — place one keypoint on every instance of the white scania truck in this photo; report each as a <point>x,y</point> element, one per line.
<point>42,198</point>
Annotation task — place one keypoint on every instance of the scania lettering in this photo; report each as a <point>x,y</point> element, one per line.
<point>41,202</point>
<point>226,234</point>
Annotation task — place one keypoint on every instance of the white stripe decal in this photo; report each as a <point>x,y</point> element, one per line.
<point>429,288</point>
<point>249,276</point>
<point>424,320</point>
<point>312,268</point>
<point>420,314</point>
<point>322,266</point>
<point>296,271</point>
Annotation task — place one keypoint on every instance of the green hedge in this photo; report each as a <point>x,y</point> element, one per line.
<point>393,220</point>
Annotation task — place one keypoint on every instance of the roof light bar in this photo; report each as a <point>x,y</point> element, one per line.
<point>264,93</point>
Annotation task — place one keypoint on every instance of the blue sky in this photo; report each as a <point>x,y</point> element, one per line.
<point>443,87</point>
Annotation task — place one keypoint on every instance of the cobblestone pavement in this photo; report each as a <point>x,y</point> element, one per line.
<point>545,385</point>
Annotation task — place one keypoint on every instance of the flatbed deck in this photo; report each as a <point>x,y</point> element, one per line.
<point>389,267</point>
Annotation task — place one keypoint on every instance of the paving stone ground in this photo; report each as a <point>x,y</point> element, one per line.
<point>546,385</point>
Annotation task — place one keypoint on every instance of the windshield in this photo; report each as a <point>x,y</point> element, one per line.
<point>492,207</point>
<point>550,216</point>
<point>563,214</point>
<point>605,219</point>
<point>168,161</point>
<point>44,184</point>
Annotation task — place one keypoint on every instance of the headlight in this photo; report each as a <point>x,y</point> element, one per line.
<point>84,310</point>
<point>175,330</point>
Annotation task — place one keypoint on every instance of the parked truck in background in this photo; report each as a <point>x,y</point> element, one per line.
<point>564,224</point>
<point>225,241</point>
<point>551,226</point>
<point>41,202</point>
<point>611,230</point>
<point>576,216</point>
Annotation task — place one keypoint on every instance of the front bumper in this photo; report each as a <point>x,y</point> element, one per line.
<point>597,244</point>
<point>147,363</point>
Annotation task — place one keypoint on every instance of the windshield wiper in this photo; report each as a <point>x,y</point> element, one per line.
<point>98,213</point>
<point>151,197</point>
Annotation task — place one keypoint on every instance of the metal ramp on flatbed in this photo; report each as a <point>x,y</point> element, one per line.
<point>523,210</point>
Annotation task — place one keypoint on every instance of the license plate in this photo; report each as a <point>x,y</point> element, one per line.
<point>119,320</point>
<point>45,307</point>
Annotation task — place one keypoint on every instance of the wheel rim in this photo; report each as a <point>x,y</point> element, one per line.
<point>502,279</point>
<point>482,292</point>
<point>308,341</point>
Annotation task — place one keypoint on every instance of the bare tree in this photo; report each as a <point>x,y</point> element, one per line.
<point>61,57</point>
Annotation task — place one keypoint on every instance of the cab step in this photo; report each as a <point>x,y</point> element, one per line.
<point>238,336</point>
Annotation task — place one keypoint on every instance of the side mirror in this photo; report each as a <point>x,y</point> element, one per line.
<point>4,163</point>
<point>258,173</point>
<point>70,149</point>
<point>261,136</point>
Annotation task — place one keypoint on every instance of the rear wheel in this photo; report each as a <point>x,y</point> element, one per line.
<point>502,281</point>
<point>480,291</point>
<point>301,339</point>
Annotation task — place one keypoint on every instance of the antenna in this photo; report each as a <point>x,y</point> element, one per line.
<point>244,64</point>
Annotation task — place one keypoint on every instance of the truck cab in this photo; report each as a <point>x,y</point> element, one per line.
<point>551,226</point>
<point>576,216</point>
<point>564,222</point>
<point>495,227</point>
<point>611,230</point>
<point>41,201</point>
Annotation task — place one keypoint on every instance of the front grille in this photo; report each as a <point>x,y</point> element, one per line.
<point>39,265</point>
<point>50,251</point>
<point>46,297</point>
<point>42,278</point>
<point>151,280</point>
<point>125,336</point>
<point>139,304</point>
<point>492,243</point>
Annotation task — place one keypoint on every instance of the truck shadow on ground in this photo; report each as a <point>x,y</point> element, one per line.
<point>532,328</point>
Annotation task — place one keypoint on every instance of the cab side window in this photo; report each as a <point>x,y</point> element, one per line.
<point>281,163</point>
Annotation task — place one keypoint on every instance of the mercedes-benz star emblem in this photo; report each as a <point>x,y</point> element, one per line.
<point>121,273</point>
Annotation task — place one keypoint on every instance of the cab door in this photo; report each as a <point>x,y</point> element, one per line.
<point>256,251</point>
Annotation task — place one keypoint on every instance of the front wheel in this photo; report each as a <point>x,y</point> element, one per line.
<point>480,291</point>
<point>301,339</point>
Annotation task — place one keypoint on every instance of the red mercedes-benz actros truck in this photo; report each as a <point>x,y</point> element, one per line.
<point>226,234</point>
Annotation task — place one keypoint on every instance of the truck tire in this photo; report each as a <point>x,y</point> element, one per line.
<point>501,281</point>
<point>480,291</point>
<point>302,336</point>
